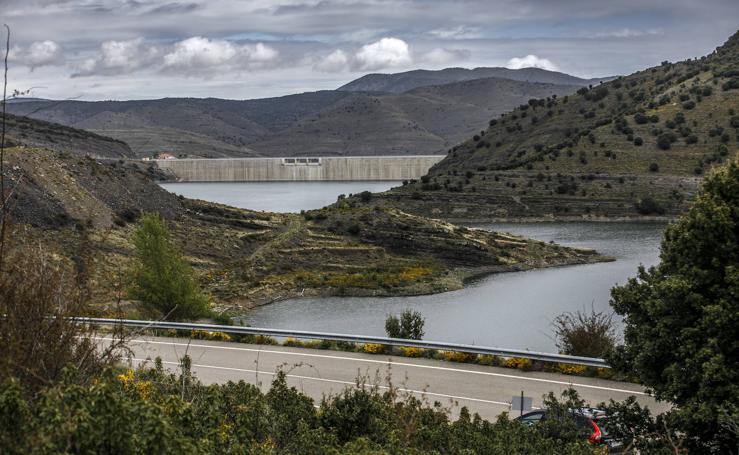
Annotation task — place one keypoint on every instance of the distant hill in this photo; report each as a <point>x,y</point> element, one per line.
<point>52,136</point>
<point>421,121</point>
<point>409,80</point>
<point>632,147</point>
<point>426,119</point>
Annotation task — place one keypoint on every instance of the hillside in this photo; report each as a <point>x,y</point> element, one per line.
<point>424,120</point>
<point>52,136</point>
<point>632,147</point>
<point>244,258</point>
<point>409,80</point>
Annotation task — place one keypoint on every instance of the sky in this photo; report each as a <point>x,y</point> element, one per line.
<point>241,49</point>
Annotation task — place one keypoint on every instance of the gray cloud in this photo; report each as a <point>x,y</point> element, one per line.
<point>315,43</point>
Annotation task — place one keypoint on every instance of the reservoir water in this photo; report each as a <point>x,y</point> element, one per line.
<point>275,196</point>
<point>513,310</point>
<point>507,310</point>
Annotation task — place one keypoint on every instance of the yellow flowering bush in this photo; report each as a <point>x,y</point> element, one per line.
<point>414,273</point>
<point>488,360</point>
<point>206,335</point>
<point>463,357</point>
<point>372,348</point>
<point>412,352</point>
<point>132,384</point>
<point>568,368</point>
<point>518,363</point>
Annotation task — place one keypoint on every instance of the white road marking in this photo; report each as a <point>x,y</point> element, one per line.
<point>404,364</point>
<point>335,381</point>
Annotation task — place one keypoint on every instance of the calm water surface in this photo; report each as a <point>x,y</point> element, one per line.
<point>507,310</point>
<point>275,196</point>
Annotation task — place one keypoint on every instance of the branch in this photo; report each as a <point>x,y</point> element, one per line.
<point>4,207</point>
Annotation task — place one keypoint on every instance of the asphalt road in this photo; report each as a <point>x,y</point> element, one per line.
<point>485,390</point>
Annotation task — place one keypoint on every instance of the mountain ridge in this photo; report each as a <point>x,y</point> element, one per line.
<point>423,120</point>
<point>409,80</point>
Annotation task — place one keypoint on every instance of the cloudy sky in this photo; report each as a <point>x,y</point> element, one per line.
<point>127,49</point>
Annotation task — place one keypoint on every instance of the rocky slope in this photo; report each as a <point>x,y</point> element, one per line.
<point>632,147</point>
<point>53,136</point>
<point>331,122</point>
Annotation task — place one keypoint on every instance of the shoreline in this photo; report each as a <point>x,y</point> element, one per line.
<point>460,279</point>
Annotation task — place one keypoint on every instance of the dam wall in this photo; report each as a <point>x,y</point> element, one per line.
<point>300,169</point>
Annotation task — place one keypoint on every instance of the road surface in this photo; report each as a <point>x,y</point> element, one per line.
<point>317,373</point>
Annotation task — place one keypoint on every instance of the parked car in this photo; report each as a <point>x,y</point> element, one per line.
<point>593,422</point>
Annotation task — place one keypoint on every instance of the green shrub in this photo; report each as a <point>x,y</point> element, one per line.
<point>365,196</point>
<point>649,206</point>
<point>408,326</point>
<point>585,334</point>
<point>664,141</point>
<point>162,280</point>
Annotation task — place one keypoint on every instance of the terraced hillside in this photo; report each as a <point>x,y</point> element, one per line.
<point>72,204</point>
<point>632,147</point>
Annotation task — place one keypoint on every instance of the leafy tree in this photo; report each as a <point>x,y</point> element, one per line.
<point>408,326</point>
<point>162,280</point>
<point>681,316</point>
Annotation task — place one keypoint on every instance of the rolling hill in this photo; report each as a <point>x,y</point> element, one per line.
<point>425,119</point>
<point>422,121</point>
<point>409,80</point>
<point>632,147</point>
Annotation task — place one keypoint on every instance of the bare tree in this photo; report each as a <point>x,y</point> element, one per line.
<point>3,200</point>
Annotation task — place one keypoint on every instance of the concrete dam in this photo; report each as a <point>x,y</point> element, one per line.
<point>300,168</point>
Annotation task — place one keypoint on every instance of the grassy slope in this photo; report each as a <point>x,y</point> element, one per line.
<point>578,156</point>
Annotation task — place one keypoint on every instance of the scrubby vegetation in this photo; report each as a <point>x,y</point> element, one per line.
<point>656,129</point>
<point>153,411</point>
<point>587,334</point>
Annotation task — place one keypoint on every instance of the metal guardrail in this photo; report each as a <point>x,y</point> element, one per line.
<point>441,346</point>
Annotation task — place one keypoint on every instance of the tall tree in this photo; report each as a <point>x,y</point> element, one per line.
<point>162,280</point>
<point>682,317</point>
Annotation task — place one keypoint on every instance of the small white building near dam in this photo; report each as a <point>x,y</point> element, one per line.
<point>332,168</point>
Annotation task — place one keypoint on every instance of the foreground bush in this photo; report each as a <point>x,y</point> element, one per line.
<point>681,318</point>
<point>153,411</point>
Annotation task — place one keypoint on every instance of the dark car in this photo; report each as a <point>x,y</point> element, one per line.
<point>593,422</point>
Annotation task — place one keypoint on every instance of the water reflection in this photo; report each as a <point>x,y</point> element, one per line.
<point>507,310</point>
<point>275,196</point>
